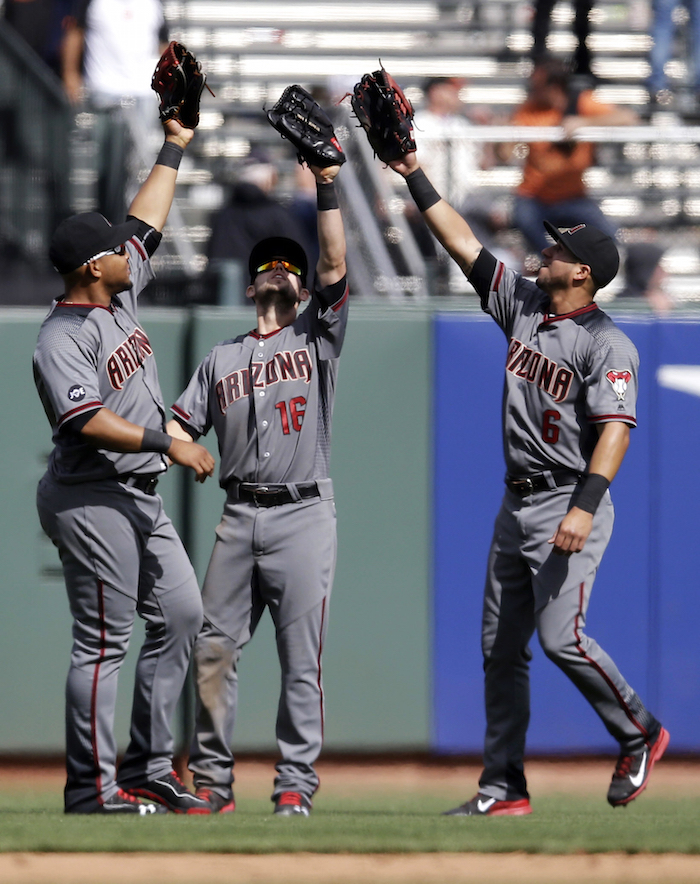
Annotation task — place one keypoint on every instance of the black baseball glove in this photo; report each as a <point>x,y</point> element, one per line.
<point>385,114</point>
<point>178,79</point>
<point>299,117</point>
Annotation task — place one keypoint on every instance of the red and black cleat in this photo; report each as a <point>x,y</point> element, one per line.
<point>485,805</point>
<point>633,770</point>
<point>171,792</point>
<point>292,804</point>
<point>217,803</point>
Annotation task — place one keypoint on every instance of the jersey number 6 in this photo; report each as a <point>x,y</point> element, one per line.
<point>293,416</point>
<point>550,431</point>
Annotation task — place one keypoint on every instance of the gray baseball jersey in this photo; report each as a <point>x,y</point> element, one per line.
<point>88,357</point>
<point>270,401</point>
<point>564,376</point>
<point>119,551</point>
<point>270,398</point>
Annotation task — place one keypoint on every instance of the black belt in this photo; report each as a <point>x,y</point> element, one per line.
<point>145,482</point>
<point>524,485</point>
<point>274,495</point>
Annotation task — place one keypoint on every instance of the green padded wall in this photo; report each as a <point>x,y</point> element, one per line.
<point>377,660</point>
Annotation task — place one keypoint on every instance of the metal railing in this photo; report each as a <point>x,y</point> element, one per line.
<point>35,119</point>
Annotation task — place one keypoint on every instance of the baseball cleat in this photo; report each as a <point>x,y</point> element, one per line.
<point>217,803</point>
<point>632,771</point>
<point>485,805</point>
<point>292,804</point>
<point>121,802</point>
<point>171,792</point>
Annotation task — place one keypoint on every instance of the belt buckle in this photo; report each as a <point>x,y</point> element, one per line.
<point>523,486</point>
<point>259,494</point>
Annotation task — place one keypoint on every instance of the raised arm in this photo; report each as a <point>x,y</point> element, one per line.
<point>331,265</point>
<point>446,223</point>
<point>153,201</point>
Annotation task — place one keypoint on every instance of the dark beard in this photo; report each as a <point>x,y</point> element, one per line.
<point>281,294</point>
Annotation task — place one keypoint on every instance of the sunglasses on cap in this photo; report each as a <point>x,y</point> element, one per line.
<point>117,250</point>
<point>270,265</point>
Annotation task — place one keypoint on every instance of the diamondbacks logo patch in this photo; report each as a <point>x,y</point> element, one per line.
<point>76,393</point>
<point>619,381</point>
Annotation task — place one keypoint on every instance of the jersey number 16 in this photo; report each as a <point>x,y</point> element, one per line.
<point>293,416</point>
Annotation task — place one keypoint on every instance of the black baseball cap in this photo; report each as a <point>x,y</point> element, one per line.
<point>589,246</point>
<point>80,237</point>
<point>278,247</point>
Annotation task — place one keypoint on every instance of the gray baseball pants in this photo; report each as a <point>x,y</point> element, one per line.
<point>121,557</point>
<point>282,558</point>
<point>529,588</point>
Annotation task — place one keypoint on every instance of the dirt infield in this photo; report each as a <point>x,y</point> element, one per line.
<point>344,869</point>
<point>457,780</point>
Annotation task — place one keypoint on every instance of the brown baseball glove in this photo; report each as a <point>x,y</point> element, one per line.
<point>179,80</point>
<point>385,114</point>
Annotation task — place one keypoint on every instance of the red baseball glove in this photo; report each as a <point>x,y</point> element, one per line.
<point>178,79</point>
<point>385,114</point>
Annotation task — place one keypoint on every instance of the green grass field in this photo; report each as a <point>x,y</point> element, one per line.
<point>378,822</point>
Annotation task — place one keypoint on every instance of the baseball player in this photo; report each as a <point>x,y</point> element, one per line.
<point>269,396</point>
<point>569,404</point>
<point>96,375</point>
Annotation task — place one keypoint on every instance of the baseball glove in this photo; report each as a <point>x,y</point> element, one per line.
<point>179,81</point>
<point>385,114</point>
<point>299,117</point>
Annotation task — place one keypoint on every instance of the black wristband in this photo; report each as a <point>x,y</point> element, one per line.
<point>592,491</point>
<point>156,440</point>
<point>422,191</point>
<point>170,155</point>
<point>326,197</point>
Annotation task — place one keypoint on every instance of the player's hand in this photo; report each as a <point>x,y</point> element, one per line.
<point>406,164</point>
<point>177,133</point>
<point>194,456</point>
<point>325,175</point>
<point>572,533</point>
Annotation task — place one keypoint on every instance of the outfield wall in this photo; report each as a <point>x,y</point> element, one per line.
<point>418,469</point>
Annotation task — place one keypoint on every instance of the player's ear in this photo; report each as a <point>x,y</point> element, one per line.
<point>93,269</point>
<point>583,272</point>
<point>304,295</point>
<point>250,292</point>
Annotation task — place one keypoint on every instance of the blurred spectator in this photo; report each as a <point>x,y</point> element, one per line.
<point>39,23</point>
<point>581,63</point>
<point>663,34</point>
<point>109,52</point>
<point>552,187</point>
<point>452,161</point>
<point>645,277</point>
<point>251,214</point>
<point>449,163</point>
